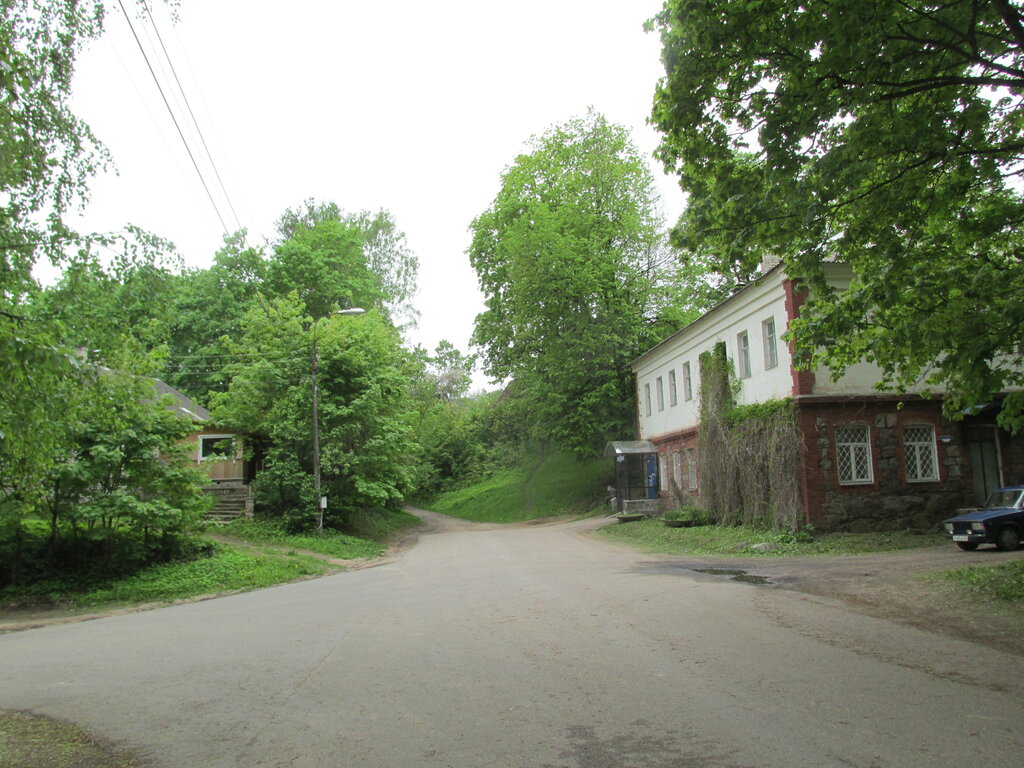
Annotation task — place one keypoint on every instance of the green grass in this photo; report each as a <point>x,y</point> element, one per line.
<point>227,570</point>
<point>31,741</point>
<point>330,543</point>
<point>1004,581</point>
<point>556,485</point>
<point>652,536</point>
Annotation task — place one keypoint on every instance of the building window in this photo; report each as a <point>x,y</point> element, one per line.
<point>687,382</point>
<point>691,468</point>
<point>216,447</point>
<point>771,348</point>
<point>853,455</point>
<point>920,453</point>
<point>677,469</point>
<point>647,399</point>
<point>661,393</point>
<point>663,472</point>
<point>743,355</point>
<point>673,397</point>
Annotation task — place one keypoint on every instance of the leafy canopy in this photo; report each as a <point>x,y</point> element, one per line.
<point>567,256</point>
<point>888,135</point>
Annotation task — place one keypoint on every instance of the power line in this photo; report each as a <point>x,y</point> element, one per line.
<point>174,119</point>
<point>195,123</point>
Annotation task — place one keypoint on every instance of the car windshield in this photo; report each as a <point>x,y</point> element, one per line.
<point>1004,498</point>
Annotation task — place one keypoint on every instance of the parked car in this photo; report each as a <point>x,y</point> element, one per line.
<point>999,522</point>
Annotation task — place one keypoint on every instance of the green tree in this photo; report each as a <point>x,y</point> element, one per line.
<point>47,156</point>
<point>209,310</point>
<point>107,304</point>
<point>365,410</point>
<point>887,135</point>
<point>567,256</point>
<point>390,262</point>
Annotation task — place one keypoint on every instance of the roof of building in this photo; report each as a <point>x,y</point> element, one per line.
<point>183,406</point>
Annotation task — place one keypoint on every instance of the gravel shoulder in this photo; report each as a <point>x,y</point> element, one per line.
<point>897,586</point>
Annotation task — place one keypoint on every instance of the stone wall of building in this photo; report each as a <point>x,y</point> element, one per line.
<point>890,501</point>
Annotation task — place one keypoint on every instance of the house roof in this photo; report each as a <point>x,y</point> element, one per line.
<point>183,407</point>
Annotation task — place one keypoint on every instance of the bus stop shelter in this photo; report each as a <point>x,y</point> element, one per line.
<point>636,476</point>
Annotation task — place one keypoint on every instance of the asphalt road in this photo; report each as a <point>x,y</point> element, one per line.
<point>533,647</point>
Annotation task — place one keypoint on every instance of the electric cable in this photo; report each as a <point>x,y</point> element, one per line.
<point>174,119</point>
<point>195,123</point>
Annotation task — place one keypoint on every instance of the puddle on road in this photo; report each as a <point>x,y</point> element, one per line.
<point>680,568</point>
<point>736,573</point>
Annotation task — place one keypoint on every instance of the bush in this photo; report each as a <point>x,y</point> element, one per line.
<point>689,512</point>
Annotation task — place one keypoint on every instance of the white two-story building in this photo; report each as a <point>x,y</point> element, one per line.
<point>869,460</point>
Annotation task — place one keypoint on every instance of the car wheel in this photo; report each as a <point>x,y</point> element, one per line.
<point>1008,538</point>
<point>967,546</point>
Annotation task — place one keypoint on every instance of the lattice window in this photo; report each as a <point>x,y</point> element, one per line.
<point>687,382</point>
<point>853,455</point>
<point>691,466</point>
<point>677,469</point>
<point>921,456</point>
<point>663,472</point>
<point>660,386</point>
<point>673,396</point>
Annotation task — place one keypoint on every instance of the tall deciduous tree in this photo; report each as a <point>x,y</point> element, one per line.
<point>47,156</point>
<point>364,410</point>
<point>566,256</point>
<point>387,257</point>
<point>888,135</point>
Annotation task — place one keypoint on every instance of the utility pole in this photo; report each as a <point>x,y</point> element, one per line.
<point>321,501</point>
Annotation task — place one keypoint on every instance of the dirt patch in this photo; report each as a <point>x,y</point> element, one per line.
<point>897,586</point>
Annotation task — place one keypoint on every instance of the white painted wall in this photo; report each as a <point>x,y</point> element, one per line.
<point>745,311</point>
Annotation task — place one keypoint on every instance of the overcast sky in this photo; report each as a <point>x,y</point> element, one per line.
<point>410,106</point>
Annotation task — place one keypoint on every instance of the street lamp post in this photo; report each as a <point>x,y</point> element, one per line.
<point>321,501</point>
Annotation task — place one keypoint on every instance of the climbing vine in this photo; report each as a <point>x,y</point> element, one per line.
<point>747,455</point>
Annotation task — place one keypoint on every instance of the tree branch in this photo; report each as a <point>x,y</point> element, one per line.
<point>1011,18</point>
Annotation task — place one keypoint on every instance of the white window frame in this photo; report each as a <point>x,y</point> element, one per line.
<point>673,394</point>
<point>691,468</point>
<point>856,451</point>
<point>687,382</point>
<point>204,438</point>
<point>677,469</point>
<point>771,346</point>
<point>916,451</point>
<point>742,355</point>
<point>659,385</point>
<point>647,399</point>
<point>663,472</point>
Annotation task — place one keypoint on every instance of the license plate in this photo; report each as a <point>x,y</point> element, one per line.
<point>961,537</point>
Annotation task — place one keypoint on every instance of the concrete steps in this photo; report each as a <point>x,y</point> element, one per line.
<point>230,501</point>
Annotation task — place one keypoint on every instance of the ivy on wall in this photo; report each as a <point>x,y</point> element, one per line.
<point>748,455</point>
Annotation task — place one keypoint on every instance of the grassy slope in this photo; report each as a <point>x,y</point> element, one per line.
<point>268,556</point>
<point>557,484</point>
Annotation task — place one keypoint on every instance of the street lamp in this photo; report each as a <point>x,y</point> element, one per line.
<point>321,501</point>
